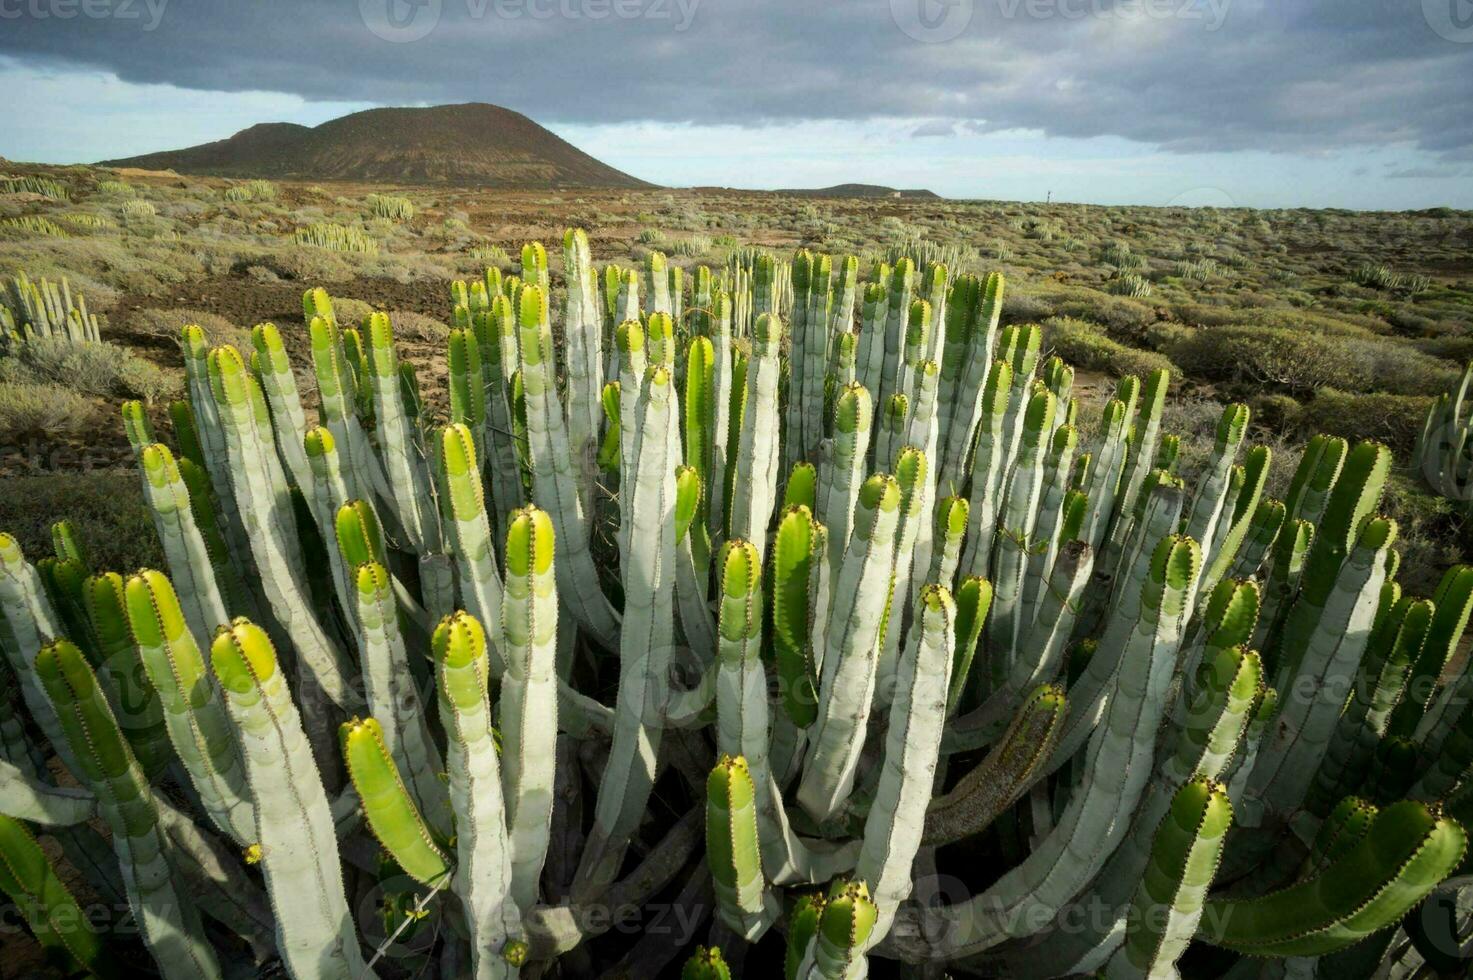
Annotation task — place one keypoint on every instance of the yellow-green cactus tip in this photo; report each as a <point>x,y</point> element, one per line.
<point>880,492</point>
<point>529,542</point>
<point>515,952</point>
<point>242,656</point>
<point>706,964</point>
<point>319,441</point>
<point>740,569</point>
<point>458,640</point>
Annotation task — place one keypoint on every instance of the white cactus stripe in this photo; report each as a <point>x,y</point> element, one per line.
<point>847,683</point>
<point>897,817</point>
<point>553,485</point>
<point>529,716</point>
<point>646,636</point>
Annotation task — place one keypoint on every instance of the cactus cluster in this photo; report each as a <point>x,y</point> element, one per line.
<point>35,184</point>
<point>138,209</point>
<point>1131,284</point>
<point>337,238</point>
<point>42,308</point>
<point>35,224</point>
<point>86,220</point>
<point>250,190</point>
<point>390,206</point>
<point>1387,279</point>
<point>1444,449</point>
<point>835,579</point>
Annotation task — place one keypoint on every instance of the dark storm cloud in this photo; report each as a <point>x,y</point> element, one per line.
<point>1187,75</point>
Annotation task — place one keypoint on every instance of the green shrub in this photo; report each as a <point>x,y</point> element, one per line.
<point>1206,315</point>
<point>1458,349</point>
<point>116,188</point>
<point>1393,419</point>
<point>1424,520</point>
<point>40,410</point>
<point>107,508</point>
<point>1398,367</point>
<point>141,378</point>
<point>1341,325</point>
<point>1084,346</point>
<point>1277,411</point>
<point>101,369</point>
<point>409,325</point>
<point>1018,307</point>
<point>163,326</point>
<point>1124,316</point>
<point>1290,359</point>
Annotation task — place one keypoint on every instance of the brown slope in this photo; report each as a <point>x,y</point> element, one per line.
<point>472,144</point>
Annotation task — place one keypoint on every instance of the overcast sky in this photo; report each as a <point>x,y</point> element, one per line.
<point>1347,103</point>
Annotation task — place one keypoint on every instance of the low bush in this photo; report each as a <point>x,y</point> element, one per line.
<point>1456,349</point>
<point>1290,359</point>
<point>40,410</point>
<point>165,324</point>
<point>409,325</point>
<point>142,378</point>
<point>105,370</point>
<point>1123,316</point>
<point>1085,346</point>
<point>106,506</point>
<point>1280,412</point>
<point>1025,307</point>
<point>1424,522</point>
<point>1393,419</point>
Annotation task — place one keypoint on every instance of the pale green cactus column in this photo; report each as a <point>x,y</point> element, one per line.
<point>315,930</point>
